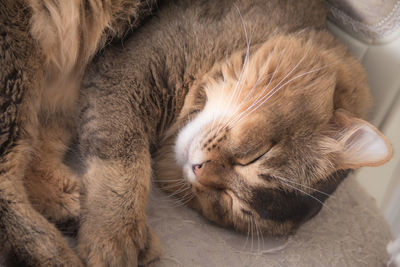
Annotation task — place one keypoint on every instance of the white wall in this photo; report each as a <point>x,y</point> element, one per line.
<point>382,64</point>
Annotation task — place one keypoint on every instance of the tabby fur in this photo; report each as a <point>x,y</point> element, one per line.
<point>167,104</point>
<point>45,46</point>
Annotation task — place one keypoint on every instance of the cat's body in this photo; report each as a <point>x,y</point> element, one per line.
<point>187,64</point>
<point>45,46</point>
<point>250,108</point>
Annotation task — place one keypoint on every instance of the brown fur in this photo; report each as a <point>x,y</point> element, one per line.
<point>44,49</point>
<point>138,99</point>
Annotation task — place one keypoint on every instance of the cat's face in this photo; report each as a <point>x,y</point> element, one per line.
<point>270,143</point>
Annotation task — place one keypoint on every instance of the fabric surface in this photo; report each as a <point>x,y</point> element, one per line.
<point>349,231</point>
<point>368,20</point>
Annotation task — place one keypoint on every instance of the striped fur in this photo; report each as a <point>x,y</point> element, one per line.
<point>44,49</point>
<point>249,109</point>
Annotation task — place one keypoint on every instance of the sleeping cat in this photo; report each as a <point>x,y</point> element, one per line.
<point>249,111</point>
<point>45,46</point>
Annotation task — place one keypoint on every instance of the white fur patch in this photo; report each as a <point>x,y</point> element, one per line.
<point>217,111</point>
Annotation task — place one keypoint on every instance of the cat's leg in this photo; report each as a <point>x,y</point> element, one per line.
<point>68,43</point>
<point>24,232</point>
<point>113,230</point>
<point>53,188</point>
<point>58,28</point>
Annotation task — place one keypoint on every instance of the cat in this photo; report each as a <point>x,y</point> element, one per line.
<point>249,111</point>
<point>45,46</point>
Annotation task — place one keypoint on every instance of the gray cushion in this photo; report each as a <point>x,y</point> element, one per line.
<point>349,231</point>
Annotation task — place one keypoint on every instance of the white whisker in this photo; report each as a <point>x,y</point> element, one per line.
<point>276,90</point>
<point>248,41</point>
<point>258,235</point>
<point>245,63</point>
<point>167,180</point>
<point>293,182</point>
<point>180,190</point>
<point>182,201</point>
<point>260,95</point>
<point>178,201</point>
<point>185,202</point>
<point>252,234</point>
<point>271,92</point>
<point>247,236</point>
<point>272,78</point>
<point>316,199</point>
<point>172,186</point>
<point>258,80</point>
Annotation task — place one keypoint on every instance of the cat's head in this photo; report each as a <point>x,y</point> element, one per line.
<point>277,132</point>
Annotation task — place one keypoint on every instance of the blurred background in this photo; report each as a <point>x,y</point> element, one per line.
<point>371,30</point>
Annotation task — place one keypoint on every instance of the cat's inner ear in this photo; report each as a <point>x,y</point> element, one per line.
<point>357,142</point>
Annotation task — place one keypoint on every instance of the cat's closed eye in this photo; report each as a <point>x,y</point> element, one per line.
<point>254,157</point>
<point>248,162</point>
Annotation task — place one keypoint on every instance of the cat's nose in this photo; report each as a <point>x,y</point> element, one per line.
<point>198,169</point>
<point>208,174</point>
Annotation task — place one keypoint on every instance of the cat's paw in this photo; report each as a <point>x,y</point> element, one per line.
<point>97,251</point>
<point>55,194</point>
<point>99,247</point>
<point>151,251</point>
<point>66,204</point>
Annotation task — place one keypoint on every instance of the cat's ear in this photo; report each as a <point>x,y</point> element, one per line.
<point>357,142</point>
